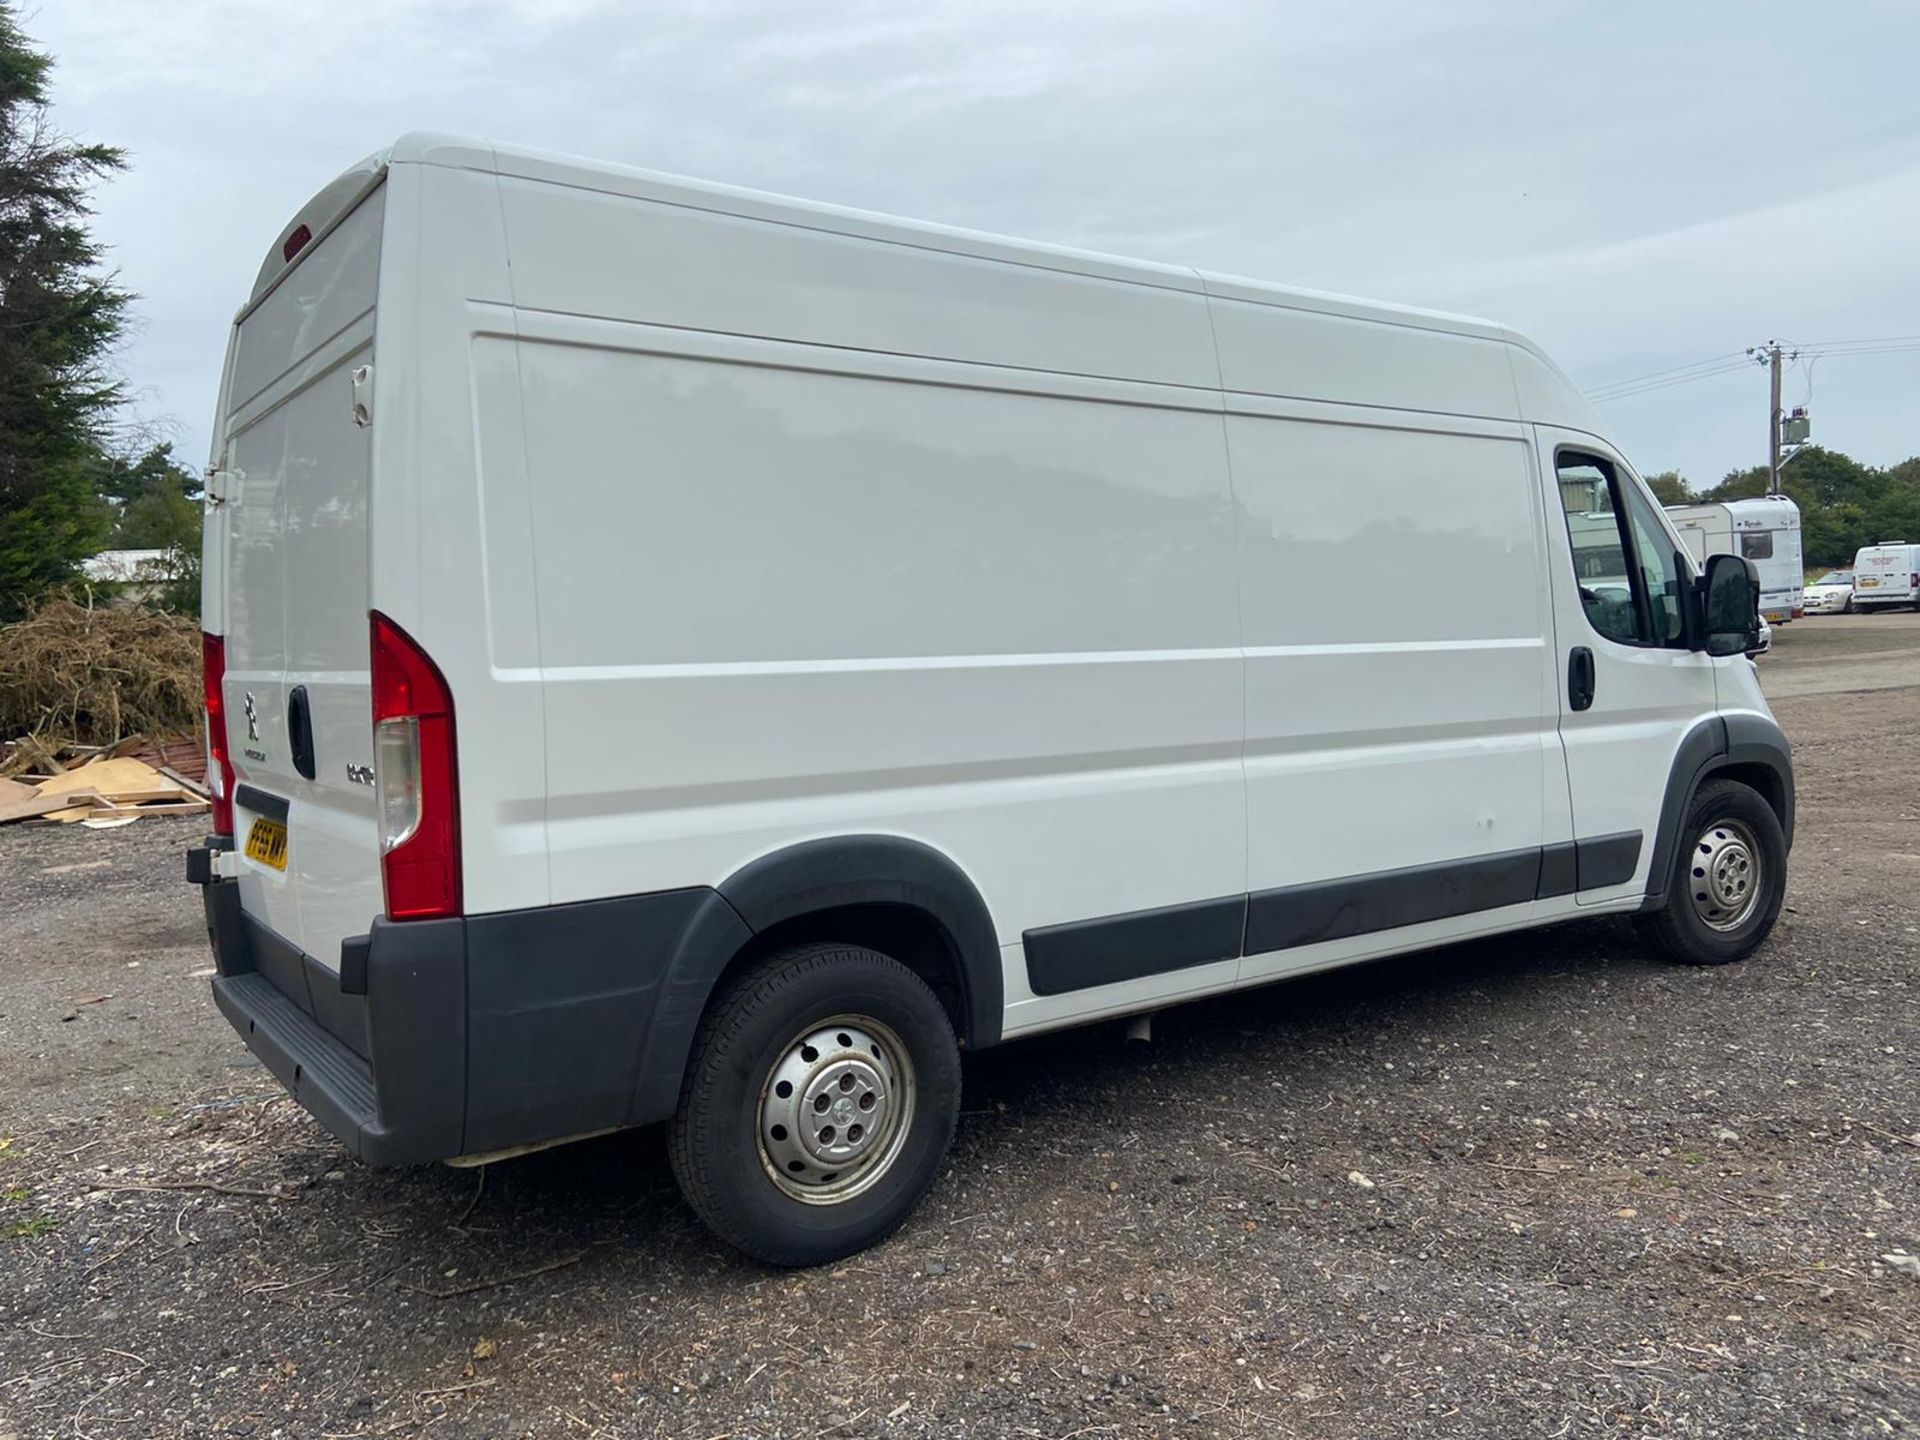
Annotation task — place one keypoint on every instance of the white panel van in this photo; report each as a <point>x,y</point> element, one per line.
<point>681,654</point>
<point>1886,576</point>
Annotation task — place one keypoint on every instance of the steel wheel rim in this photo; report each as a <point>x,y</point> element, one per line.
<point>1725,877</point>
<point>835,1109</point>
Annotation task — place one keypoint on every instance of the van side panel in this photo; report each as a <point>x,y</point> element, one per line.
<point>929,587</point>
<point>586,252</point>
<point>1396,649</point>
<point>1304,354</point>
<point>813,604</point>
<point>452,552</point>
<point>1400,704</point>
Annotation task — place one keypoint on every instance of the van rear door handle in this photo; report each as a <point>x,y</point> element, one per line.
<point>1580,678</point>
<point>300,730</point>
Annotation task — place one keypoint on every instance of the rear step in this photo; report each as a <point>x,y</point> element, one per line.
<point>320,1072</point>
<point>403,1101</point>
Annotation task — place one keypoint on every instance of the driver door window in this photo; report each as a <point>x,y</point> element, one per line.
<point>1630,579</point>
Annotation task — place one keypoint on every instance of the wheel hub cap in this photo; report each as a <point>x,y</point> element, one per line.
<point>835,1109</point>
<point>1725,877</point>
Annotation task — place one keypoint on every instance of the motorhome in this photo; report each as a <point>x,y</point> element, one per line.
<point>1886,577</point>
<point>679,654</point>
<point>1765,531</point>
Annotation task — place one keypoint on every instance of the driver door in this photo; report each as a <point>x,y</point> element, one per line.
<point>1631,688</point>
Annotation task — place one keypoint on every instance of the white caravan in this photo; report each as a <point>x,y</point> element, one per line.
<point>1765,531</point>
<point>681,654</point>
<point>1885,576</point>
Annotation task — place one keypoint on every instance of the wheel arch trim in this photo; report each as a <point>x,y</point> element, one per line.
<point>1741,741</point>
<point>805,879</point>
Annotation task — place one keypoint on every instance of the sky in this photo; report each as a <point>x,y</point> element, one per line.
<point>1637,186</point>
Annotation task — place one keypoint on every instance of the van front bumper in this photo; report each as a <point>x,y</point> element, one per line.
<point>441,1038</point>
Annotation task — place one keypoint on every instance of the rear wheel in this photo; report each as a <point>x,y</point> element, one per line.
<point>821,1096</point>
<point>1728,879</point>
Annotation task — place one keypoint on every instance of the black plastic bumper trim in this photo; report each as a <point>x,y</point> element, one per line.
<point>1335,909</point>
<point>479,1033</point>
<point>1108,949</point>
<point>1607,859</point>
<point>1085,953</point>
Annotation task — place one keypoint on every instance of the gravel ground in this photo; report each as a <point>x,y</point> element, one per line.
<point>1539,1187</point>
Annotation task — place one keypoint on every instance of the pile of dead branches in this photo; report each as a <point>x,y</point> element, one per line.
<point>73,673</point>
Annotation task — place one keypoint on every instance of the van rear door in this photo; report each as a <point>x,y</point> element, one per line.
<point>293,446</point>
<point>1884,573</point>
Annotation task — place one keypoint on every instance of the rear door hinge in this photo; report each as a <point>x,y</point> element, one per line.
<point>363,395</point>
<point>221,487</point>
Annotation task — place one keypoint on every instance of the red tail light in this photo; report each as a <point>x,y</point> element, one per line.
<point>213,675</point>
<point>296,242</point>
<point>1913,581</point>
<point>416,778</point>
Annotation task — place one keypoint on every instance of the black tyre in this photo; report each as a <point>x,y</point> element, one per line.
<point>1728,879</point>
<point>819,1101</point>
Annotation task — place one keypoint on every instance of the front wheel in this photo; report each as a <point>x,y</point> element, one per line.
<point>821,1097</point>
<point>1728,879</point>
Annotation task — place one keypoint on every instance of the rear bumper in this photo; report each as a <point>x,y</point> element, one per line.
<point>476,1034</point>
<point>326,1046</point>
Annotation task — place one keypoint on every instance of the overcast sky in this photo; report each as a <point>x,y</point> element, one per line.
<point>1636,185</point>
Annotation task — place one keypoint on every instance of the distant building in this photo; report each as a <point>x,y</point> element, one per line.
<point>141,574</point>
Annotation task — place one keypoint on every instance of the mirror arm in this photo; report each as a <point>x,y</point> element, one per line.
<point>1693,606</point>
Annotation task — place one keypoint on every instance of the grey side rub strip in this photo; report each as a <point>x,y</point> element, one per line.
<point>1111,948</point>
<point>1085,953</point>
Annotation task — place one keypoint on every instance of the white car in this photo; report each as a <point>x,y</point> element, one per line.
<point>1831,594</point>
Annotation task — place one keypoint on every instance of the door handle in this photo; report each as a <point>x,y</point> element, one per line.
<point>300,730</point>
<point>1580,678</point>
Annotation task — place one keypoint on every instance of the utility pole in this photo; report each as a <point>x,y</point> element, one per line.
<point>1772,355</point>
<point>1773,425</point>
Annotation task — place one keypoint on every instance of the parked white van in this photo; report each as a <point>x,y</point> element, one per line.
<point>1765,530</point>
<point>1885,576</point>
<point>680,654</point>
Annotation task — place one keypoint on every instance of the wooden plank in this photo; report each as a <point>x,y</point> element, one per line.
<point>187,806</point>
<point>142,797</point>
<point>77,812</point>
<point>43,805</point>
<point>107,777</point>
<point>186,782</point>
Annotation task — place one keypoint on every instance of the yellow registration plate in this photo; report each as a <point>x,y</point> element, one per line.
<point>267,843</point>
<point>1867,582</point>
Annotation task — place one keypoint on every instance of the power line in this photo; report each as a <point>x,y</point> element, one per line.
<point>1626,388</point>
<point>1677,369</point>
<point>1728,365</point>
<point>1863,350</point>
<point>1878,340</point>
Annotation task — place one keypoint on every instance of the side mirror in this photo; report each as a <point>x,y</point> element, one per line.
<point>1730,600</point>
